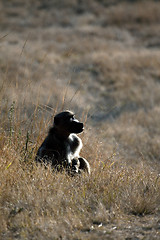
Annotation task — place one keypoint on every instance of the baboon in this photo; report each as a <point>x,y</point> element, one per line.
<point>62,146</point>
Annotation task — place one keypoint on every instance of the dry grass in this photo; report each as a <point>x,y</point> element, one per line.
<point>100,59</point>
<point>37,204</point>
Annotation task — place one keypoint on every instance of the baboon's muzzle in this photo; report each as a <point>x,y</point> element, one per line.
<point>77,127</point>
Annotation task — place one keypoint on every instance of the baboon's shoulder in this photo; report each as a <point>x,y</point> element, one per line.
<point>51,141</point>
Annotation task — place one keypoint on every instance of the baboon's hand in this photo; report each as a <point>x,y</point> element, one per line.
<point>75,169</point>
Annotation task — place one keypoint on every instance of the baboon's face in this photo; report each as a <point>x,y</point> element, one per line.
<point>67,121</point>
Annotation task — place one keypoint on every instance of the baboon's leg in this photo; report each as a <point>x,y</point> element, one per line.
<point>84,165</point>
<point>75,165</point>
<point>47,156</point>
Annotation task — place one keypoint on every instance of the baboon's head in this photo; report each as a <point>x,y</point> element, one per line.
<point>67,122</point>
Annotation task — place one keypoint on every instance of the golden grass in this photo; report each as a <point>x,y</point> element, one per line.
<point>101,60</point>
<point>37,203</point>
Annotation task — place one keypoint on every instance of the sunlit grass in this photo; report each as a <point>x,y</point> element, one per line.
<point>35,200</point>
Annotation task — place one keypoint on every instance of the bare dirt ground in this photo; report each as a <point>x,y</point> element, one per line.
<point>100,59</point>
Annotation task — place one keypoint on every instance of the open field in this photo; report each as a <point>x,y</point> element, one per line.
<point>100,59</point>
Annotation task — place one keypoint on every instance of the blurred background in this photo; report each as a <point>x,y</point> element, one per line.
<point>99,58</point>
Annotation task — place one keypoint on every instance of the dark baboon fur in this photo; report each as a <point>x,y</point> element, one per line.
<point>61,148</point>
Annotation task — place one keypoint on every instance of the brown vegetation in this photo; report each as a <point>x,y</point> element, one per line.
<point>102,60</point>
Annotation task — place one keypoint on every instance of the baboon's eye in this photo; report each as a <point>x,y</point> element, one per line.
<point>72,118</point>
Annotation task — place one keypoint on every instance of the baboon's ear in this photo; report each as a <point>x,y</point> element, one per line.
<point>56,120</point>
